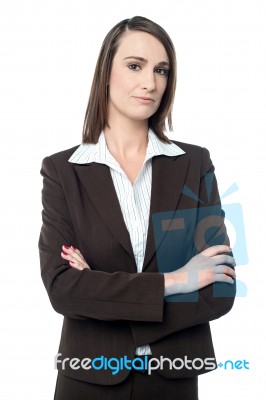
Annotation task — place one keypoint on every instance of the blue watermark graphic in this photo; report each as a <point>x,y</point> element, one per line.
<point>181,234</point>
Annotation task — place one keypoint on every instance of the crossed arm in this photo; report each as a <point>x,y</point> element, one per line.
<point>210,266</point>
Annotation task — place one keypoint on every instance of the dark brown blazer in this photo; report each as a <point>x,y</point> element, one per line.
<point>111,309</point>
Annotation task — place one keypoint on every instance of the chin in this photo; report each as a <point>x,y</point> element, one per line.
<point>141,116</point>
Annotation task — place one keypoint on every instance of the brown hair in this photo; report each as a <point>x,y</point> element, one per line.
<point>96,112</point>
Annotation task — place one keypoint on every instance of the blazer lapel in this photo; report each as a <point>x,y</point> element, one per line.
<point>97,181</point>
<point>168,177</point>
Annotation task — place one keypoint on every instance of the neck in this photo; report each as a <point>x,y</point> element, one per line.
<point>128,139</point>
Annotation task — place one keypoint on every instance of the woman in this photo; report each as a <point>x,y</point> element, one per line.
<point>123,247</point>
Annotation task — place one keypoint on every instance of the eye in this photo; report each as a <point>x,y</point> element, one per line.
<point>134,67</point>
<point>162,71</point>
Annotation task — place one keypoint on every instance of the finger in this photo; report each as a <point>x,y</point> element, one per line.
<point>79,266</point>
<point>224,259</point>
<point>69,257</point>
<point>224,270</point>
<point>223,278</point>
<point>75,265</point>
<point>70,249</point>
<point>86,266</point>
<point>65,256</point>
<point>214,250</point>
<point>66,248</point>
<point>75,249</point>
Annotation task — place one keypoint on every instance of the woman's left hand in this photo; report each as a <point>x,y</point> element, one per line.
<point>74,256</point>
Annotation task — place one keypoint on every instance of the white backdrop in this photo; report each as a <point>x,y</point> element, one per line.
<point>48,54</point>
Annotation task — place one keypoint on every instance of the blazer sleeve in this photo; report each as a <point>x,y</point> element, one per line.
<point>88,293</point>
<point>212,301</point>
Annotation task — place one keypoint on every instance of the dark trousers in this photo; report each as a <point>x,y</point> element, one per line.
<point>137,386</point>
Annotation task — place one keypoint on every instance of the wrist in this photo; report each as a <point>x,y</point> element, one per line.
<point>173,281</point>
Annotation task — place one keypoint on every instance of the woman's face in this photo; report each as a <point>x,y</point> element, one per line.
<point>138,76</point>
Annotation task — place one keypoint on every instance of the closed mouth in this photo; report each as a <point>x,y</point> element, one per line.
<point>144,98</point>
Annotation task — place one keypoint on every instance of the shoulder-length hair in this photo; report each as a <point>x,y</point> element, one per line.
<point>96,117</point>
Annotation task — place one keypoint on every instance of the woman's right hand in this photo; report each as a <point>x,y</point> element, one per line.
<point>205,268</point>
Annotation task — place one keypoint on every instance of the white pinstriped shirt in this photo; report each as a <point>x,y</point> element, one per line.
<point>134,199</point>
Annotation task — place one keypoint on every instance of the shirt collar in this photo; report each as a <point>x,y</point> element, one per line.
<point>90,152</point>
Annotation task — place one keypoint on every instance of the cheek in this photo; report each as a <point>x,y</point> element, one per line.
<point>114,77</point>
<point>120,82</point>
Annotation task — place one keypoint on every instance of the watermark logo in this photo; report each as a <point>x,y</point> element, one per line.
<point>181,234</point>
<point>148,363</point>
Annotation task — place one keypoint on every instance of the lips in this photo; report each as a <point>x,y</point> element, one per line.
<point>144,98</point>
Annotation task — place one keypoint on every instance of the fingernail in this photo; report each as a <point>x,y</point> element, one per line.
<point>65,254</point>
<point>74,248</point>
<point>66,246</point>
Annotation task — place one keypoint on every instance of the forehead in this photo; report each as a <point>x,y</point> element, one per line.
<point>141,44</point>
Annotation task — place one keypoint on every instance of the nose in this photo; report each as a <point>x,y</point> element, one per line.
<point>148,81</point>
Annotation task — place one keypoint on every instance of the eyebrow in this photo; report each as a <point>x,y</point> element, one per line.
<point>162,63</point>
